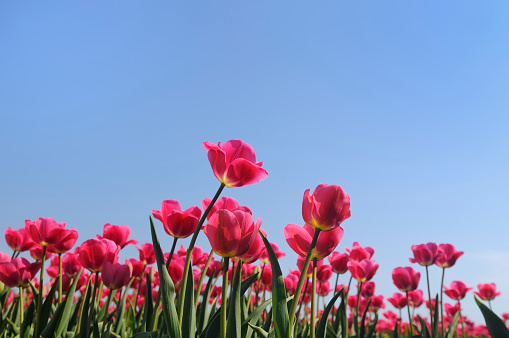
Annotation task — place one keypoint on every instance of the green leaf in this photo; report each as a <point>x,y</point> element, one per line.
<point>189,314</point>
<point>372,327</point>
<point>281,319</point>
<point>495,325</point>
<point>395,332</point>
<point>424,328</point>
<point>167,288</point>
<point>202,308</point>
<point>434,329</point>
<point>120,317</point>
<point>25,330</point>
<point>452,327</point>
<point>322,324</point>
<point>46,306</point>
<point>259,330</point>
<point>84,328</point>
<point>150,334</point>
<point>343,319</point>
<point>63,320</point>
<point>148,313</point>
<point>254,316</point>
<point>233,325</point>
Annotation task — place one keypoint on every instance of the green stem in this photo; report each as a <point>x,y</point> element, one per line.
<point>139,288</point>
<point>429,299</point>
<point>300,308</point>
<point>60,278</point>
<point>183,285</point>
<point>259,284</point>
<point>462,322</point>
<point>442,301</point>
<point>171,252</point>
<point>409,317</point>
<point>224,296</point>
<point>83,297</point>
<point>94,294</point>
<point>107,304</point>
<point>39,298</point>
<point>302,277</point>
<point>489,303</point>
<point>202,277</point>
<point>356,317</point>
<point>313,300</point>
<point>21,307</point>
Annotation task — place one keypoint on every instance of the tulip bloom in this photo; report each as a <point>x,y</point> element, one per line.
<point>359,253</point>
<point>178,223</point>
<point>264,256</point>
<point>364,270</point>
<point>70,264</point>
<point>415,298</point>
<point>231,233</point>
<point>18,240</point>
<point>323,273</point>
<point>447,255</point>
<point>147,253</point>
<point>93,253</point>
<point>487,291</point>
<point>338,262</point>
<point>406,279</point>
<point>234,163</point>
<point>327,208</point>
<point>116,276</point>
<point>398,300</point>
<point>300,238</point>
<point>69,238</point>
<point>18,272</point>
<point>377,303</point>
<point>224,202</point>
<point>424,254</point>
<point>118,234</point>
<point>254,252</point>
<point>457,290</point>
<point>45,231</point>
<point>368,290</point>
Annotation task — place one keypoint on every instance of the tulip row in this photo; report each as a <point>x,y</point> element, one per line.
<point>91,294</point>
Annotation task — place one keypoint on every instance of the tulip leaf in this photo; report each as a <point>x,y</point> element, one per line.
<point>167,288</point>
<point>233,325</point>
<point>254,316</point>
<point>322,324</point>
<point>342,319</point>
<point>258,330</point>
<point>372,327</point>
<point>434,329</point>
<point>120,317</point>
<point>495,325</point>
<point>84,328</point>
<point>424,328</point>
<point>202,308</point>
<point>281,319</point>
<point>363,320</point>
<point>46,307</point>
<point>452,327</point>
<point>63,317</point>
<point>214,325</point>
<point>189,314</point>
<point>149,305</point>
<point>25,331</point>
<point>395,332</point>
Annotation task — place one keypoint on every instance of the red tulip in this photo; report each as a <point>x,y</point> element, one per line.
<point>224,202</point>
<point>18,272</point>
<point>324,289</point>
<point>339,261</point>
<point>359,253</point>
<point>300,238</point>
<point>368,289</point>
<point>364,270</point>
<point>406,279</point>
<point>36,253</point>
<point>136,267</point>
<point>447,255</point>
<point>69,238</point>
<point>377,303</point>
<point>147,253</point>
<point>424,254</point>
<point>234,163</point>
<point>327,208</point>
<point>291,282</point>
<point>176,270</point>
<point>118,234</point>
<point>178,223</point>
<point>116,276</point>
<point>487,291</point>
<point>323,273</point>
<point>255,251</point>
<point>451,310</point>
<point>18,240</point>
<point>300,265</point>
<point>231,233</point>
<point>415,298</point>
<point>457,290</point>
<point>398,300</point>
<point>4,257</point>
<point>70,264</point>
<point>93,253</point>
<point>45,231</point>
<point>264,256</point>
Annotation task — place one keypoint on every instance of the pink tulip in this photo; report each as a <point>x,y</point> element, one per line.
<point>447,255</point>
<point>45,231</point>
<point>231,233</point>
<point>69,238</point>
<point>424,254</point>
<point>324,289</point>
<point>118,234</point>
<point>147,253</point>
<point>115,276</point>
<point>359,253</point>
<point>70,264</point>
<point>487,291</point>
<point>398,300</point>
<point>300,238</point>
<point>377,303</point>
<point>18,240</point>
<point>18,272</point>
<point>327,208</point>
<point>176,270</point>
<point>196,255</point>
<point>368,289</point>
<point>178,223</point>
<point>300,265</point>
<point>93,253</point>
<point>36,253</point>
<point>323,273</point>
<point>4,257</point>
<point>224,202</point>
<point>234,163</point>
<point>291,282</point>
<point>136,267</point>
<point>406,279</point>
<point>264,256</point>
<point>339,261</point>
<point>364,270</point>
<point>451,310</point>
<point>415,298</point>
<point>255,251</point>
<point>457,290</point>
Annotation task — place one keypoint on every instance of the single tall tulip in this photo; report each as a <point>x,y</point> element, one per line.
<point>447,255</point>
<point>178,223</point>
<point>18,240</point>
<point>406,279</point>
<point>300,238</point>
<point>326,208</point>
<point>457,290</point>
<point>18,272</point>
<point>234,163</point>
<point>364,270</point>
<point>93,253</point>
<point>424,254</point>
<point>45,231</point>
<point>487,291</point>
<point>118,234</point>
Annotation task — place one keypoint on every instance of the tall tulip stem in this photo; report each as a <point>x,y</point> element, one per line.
<point>187,266</point>
<point>39,298</point>
<point>202,277</point>
<point>442,301</point>
<point>224,296</point>
<point>429,298</point>
<point>21,307</point>
<point>409,317</point>
<point>60,279</point>
<point>313,299</point>
<point>302,277</point>
<point>356,318</point>
<point>173,245</point>
<point>462,322</point>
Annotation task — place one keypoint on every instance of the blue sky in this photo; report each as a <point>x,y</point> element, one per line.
<point>104,106</point>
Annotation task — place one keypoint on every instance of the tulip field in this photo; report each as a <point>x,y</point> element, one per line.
<point>66,290</point>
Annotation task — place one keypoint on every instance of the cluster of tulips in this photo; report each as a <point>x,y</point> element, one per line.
<point>175,294</point>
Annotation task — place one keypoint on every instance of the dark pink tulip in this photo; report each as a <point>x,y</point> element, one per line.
<point>424,254</point>
<point>93,253</point>
<point>415,298</point>
<point>487,291</point>
<point>359,253</point>
<point>18,240</point>
<point>300,238</point>
<point>178,223</point>
<point>69,238</point>
<point>18,272</point>
<point>147,253</point>
<point>231,233</point>
<point>214,267</point>
<point>300,265</point>
<point>291,282</point>
<point>118,234</point>
<point>398,300</point>
<point>116,276</point>
<point>254,252</point>
<point>323,273</point>
<point>264,256</point>
<point>377,303</point>
<point>4,257</point>
<point>36,253</point>
<point>447,255</point>
<point>136,267</point>
<point>451,310</point>
<point>364,270</point>
<point>45,231</point>
<point>176,270</point>
<point>457,290</point>
<point>196,255</point>
<point>224,202</point>
<point>234,163</point>
<point>327,208</point>
<point>324,289</point>
<point>70,264</point>
<point>339,261</point>
<point>406,279</point>
<point>368,289</point>
<point>266,278</point>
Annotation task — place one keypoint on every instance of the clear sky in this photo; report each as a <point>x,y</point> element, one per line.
<point>104,106</point>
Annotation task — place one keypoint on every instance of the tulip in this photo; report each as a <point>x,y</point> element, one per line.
<point>326,208</point>
<point>457,290</point>
<point>264,256</point>
<point>115,276</point>
<point>339,262</point>
<point>309,272</point>
<point>231,233</point>
<point>93,253</point>
<point>18,272</point>
<point>118,234</point>
<point>447,255</point>
<point>359,253</point>
<point>69,238</point>
<point>36,252</point>
<point>255,251</point>
<point>234,163</point>
<point>71,264</point>
<point>424,254</point>
<point>415,298</point>
<point>398,300</point>
<point>300,238</point>
<point>487,291</point>
<point>291,281</point>
<point>4,257</point>
<point>364,270</point>
<point>323,273</point>
<point>227,203</point>
<point>18,240</point>
<point>405,279</point>
<point>147,254</point>
<point>377,303</point>
<point>368,290</point>
<point>452,309</point>
<point>45,231</point>
<point>178,223</point>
